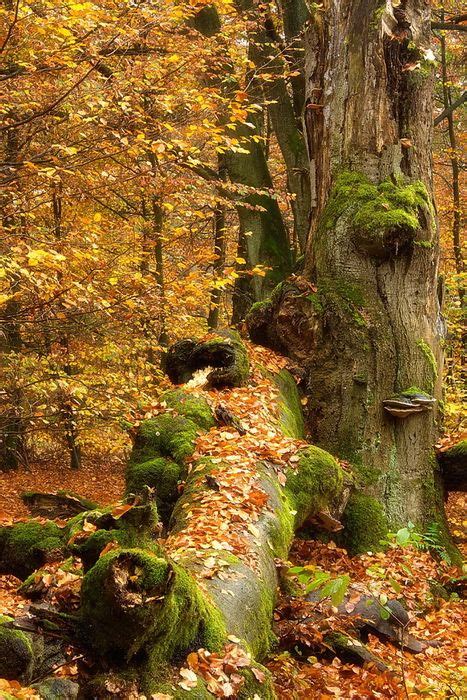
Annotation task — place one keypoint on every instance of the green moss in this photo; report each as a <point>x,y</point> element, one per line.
<point>290,407</point>
<point>376,210</point>
<point>252,688</point>
<point>16,653</point>
<point>413,390</point>
<point>337,296</point>
<point>90,548</point>
<point>457,452</point>
<point>316,482</point>
<point>166,435</point>
<point>427,353</point>
<point>364,523</point>
<point>164,614</point>
<point>259,306</point>
<point>196,408</point>
<point>26,546</point>
<point>173,690</point>
<point>161,474</point>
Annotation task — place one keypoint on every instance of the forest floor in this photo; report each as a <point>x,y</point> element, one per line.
<point>438,672</point>
<point>435,673</point>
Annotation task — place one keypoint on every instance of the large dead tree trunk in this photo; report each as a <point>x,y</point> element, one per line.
<point>212,581</point>
<point>364,322</point>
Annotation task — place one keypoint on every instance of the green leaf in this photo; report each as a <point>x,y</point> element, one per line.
<point>403,536</point>
<point>396,586</point>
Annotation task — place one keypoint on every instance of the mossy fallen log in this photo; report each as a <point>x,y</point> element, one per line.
<point>145,607</point>
<point>61,504</point>
<point>25,547</point>
<point>25,655</point>
<point>228,519</point>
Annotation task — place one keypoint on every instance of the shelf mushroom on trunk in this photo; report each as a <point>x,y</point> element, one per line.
<point>408,403</point>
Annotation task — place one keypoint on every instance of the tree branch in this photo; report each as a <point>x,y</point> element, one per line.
<point>449,110</point>
<point>449,26</point>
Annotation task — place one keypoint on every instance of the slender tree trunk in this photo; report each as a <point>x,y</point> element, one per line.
<point>266,52</point>
<point>260,218</point>
<point>67,411</point>
<point>454,159</point>
<point>158,221</point>
<point>365,322</point>
<point>12,439</point>
<point>219,251</point>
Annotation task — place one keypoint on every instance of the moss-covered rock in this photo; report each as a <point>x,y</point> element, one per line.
<point>134,600</point>
<point>196,408</point>
<point>383,217</point>
<point>16,653</point>
<point>25,547</point>
<point>314,483</point>
<point>365,524</point>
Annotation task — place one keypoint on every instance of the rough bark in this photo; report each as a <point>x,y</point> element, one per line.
<point>364,321</point>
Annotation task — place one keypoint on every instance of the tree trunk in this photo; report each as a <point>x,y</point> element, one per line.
<point>213,581</point>
<point>67,412</point>
<point>365,321</point>
<point>262,226</point>
<point>219,251</point>
<point>266,52</point>
<point>454,158</point>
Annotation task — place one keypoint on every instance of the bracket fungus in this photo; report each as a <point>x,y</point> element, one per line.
<point>409,403</point>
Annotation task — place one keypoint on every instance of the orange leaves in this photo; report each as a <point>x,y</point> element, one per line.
<point>15,690</point>
<point>220,672</point>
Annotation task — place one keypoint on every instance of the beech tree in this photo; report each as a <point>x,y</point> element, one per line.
<point>363,321</point>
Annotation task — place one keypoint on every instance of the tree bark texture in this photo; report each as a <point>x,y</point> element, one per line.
<point>364,322</point>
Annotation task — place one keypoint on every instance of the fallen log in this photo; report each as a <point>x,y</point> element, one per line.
<point>60,504</point>
<point>230,504</point>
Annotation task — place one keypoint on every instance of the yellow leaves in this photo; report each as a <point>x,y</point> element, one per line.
<point>97,216</point>
<point>158,147</point>
<point>113,281</point>
<point>41,257</point>
<point>63,31</point>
